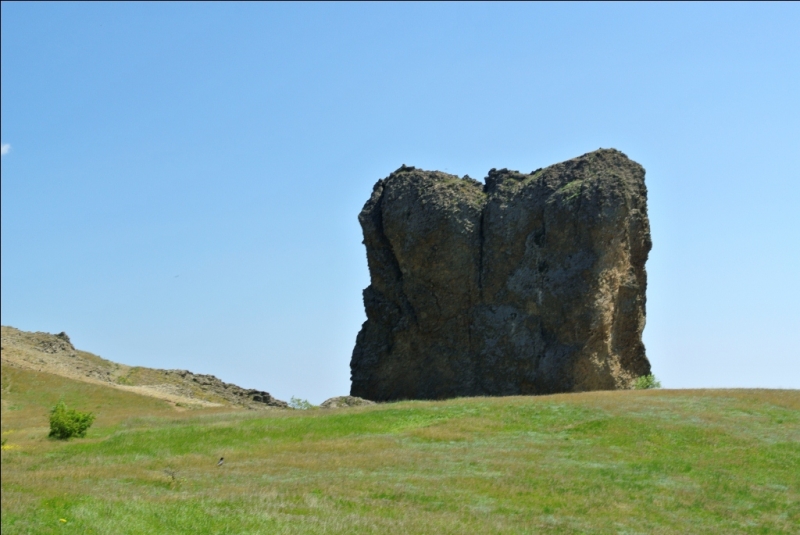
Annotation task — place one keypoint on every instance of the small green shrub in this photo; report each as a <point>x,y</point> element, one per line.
<point>66,423</point>
<point>646,382</point>
<point>302,404</point>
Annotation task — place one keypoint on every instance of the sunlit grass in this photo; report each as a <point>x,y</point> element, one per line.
<point>606,462</point>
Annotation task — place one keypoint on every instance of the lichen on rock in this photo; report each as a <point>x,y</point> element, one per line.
<point>527,284</point>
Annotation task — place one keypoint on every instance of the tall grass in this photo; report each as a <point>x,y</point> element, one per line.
<point>609,462</point>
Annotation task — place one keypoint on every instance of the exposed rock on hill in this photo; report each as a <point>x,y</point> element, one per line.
<point>527,284</point>
<point>246,397</point>
<point>345,401</point>
<point>54,353</point>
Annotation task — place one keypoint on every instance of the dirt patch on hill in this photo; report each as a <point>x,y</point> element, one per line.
<point>54,353</point>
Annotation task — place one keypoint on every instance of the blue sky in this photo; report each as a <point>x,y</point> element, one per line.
<point>181,182</point>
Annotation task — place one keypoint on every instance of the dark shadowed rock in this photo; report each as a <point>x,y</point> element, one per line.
<point>527,284</point>
<point>245,397</point>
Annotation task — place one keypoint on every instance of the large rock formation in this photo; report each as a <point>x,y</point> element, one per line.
<point>529,284</point>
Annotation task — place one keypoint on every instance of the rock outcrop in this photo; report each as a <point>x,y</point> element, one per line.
<point>340,402</point>
<point>527,284</point>
<point>212,386</point>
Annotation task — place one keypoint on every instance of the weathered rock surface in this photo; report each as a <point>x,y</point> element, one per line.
<point>345,401</point>
<point>527,284</point>
<point>210,385</point>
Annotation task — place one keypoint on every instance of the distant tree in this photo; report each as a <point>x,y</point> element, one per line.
<point>646,382</point>
<point>302,404</point>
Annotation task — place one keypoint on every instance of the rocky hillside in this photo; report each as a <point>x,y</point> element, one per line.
<point>56,354</point>
<point>525,284</point>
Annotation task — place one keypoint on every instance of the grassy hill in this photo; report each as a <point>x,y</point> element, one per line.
<point>55,354</point>
<point>724,461</point>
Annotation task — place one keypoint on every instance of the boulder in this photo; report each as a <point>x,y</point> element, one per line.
<point>345,401</point>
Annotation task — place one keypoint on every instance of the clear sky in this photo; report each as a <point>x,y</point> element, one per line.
<point>181,182</point>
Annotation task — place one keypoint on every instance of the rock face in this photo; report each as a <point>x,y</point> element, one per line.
<point>527,284</point>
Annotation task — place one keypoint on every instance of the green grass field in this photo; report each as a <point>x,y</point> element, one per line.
<point>705,461</point>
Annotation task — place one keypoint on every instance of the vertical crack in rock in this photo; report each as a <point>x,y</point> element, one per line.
<point>527,284</point>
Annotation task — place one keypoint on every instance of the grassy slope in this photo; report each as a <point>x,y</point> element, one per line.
<point>49,353</point>
<point>606,462</point>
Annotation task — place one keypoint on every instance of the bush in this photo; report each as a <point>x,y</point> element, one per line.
<point>66,423</point>
<point>302,404</point>
<point>646,382</point>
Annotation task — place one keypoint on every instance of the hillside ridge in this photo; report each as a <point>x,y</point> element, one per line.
<point>54,353</point>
